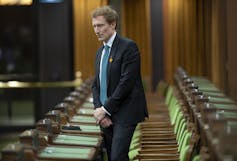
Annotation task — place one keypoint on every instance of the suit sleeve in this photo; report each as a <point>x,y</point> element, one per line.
<point>130,70</point>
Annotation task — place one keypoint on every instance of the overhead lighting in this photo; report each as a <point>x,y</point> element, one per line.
<point>15,2</point>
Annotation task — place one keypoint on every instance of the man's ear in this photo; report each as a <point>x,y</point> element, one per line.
<point>113,24</point>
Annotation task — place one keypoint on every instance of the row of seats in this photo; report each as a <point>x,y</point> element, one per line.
<point>214,116</point>
<point>68,132</point>
<point>190,120</point>
<point>168,134</point>
<point>194,121</point>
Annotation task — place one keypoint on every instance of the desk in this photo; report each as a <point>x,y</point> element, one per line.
<point>32,85</point>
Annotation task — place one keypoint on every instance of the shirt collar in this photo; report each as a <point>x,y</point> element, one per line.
<point>111,40</point>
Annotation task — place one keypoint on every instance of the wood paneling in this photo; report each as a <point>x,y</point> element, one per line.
<point>218,43</point>
<point>180,37</point>
<point>85,41</point>
<point>135,24</point>
<point>195,38</point>
<point>232,48</point>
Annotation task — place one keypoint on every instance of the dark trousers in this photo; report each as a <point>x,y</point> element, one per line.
<point>117,140</point>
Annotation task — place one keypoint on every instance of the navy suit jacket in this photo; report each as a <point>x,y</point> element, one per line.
<point>126,99</point>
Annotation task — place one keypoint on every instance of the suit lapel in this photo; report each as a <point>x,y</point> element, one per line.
<point>98,61</point>
<point>112,57</point>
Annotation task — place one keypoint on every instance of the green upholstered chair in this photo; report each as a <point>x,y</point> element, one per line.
<point>196,158</point>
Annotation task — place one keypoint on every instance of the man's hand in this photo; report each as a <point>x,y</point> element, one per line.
<point>99,114</point>
<point>105,122</point>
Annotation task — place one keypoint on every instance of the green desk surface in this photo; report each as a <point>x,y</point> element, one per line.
<point>86,111</point>
<point>90,128</point>
<point>214,93</point>
<point>85,129</point>
<point>84,119</point>
<point>77,140</point>
<point>232,123</point>
<point>208,88</point>
<point>228,114</point>
<point>67,153</point>
<point>219,99</point>
<point>88,105</point>
<point>224,106</point>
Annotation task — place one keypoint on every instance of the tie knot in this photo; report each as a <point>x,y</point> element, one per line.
<point>106,50</point>
<point>106,47</point>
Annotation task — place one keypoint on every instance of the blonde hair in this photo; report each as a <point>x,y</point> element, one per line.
<point>107,12</point>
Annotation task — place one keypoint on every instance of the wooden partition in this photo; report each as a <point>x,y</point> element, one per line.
<point>135,24</point>
<point>195,38</point>
<point>232,47</point>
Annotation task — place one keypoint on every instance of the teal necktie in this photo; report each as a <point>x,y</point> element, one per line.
<point>103,75</point>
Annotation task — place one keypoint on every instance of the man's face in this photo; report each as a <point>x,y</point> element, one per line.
<point>102,28</point>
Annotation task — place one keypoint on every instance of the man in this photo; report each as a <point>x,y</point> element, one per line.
<point>118,94</point>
